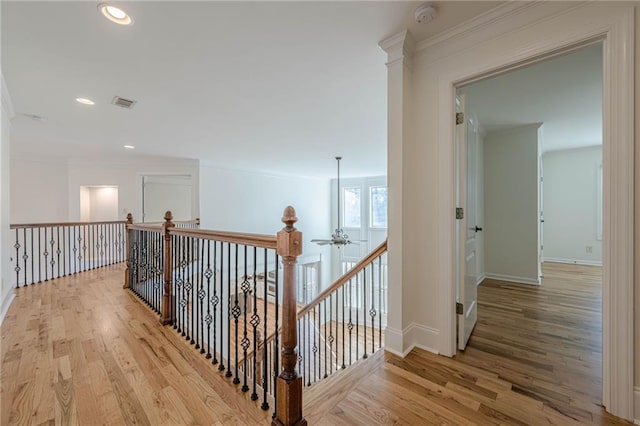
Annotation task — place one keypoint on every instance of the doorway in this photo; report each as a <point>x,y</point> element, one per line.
<point>525,139</point>
<point>98,203</point>
<point>167,192</point>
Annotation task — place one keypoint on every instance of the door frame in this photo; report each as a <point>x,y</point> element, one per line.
<point>517,36</point>
<point>195,207</point>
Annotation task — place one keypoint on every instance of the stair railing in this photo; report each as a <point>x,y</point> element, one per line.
<point>45,251</point>
<point>227,294</point>
<point>344,322</point>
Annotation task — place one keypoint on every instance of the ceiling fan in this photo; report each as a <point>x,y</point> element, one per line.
<point>338,238</point>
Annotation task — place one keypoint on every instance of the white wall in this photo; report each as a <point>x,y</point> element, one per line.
<point>511,204</point>
<point>38,190</point>
<point>103,203</point>
<point>6,113</point>
<point>127,176</point>
<point>241,201</point>
<point>570,188</point>
<point>174,193</point>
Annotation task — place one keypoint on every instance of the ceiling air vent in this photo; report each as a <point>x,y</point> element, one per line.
<point>122,102</point>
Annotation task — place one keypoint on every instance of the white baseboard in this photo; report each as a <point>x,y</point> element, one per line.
<point>400,343</point>
<point>636,409</point>
<point>481,278</point>
<point>393,339</point>
<point>6,303</point>
<point>572,261</point>
<point>513,279</point>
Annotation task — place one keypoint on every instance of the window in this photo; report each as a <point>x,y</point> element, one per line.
<point>351,197</point>
<point>378,206</point>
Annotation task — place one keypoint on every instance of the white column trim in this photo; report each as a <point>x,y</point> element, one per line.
<point>399,49</point>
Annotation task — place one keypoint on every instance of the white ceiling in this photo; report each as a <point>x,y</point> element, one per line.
<point>564,93</point>
<point>280,87</point>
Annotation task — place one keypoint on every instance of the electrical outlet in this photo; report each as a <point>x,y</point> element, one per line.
<point>589,249</point>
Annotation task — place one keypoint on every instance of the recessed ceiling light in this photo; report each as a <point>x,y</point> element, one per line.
<point>129,147</point>
<point>85,101</point>
<point>115,14</point>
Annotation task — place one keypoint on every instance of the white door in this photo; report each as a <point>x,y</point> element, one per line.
<point>162,193</point>
<point>467,154</point>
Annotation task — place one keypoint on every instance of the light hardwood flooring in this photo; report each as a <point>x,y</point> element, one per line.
<point>80,350</point>
<point>534,358</point>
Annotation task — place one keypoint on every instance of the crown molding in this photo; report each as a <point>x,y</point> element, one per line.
<point>7,104</point>
<point>486,18</point>
<point>399,47</point>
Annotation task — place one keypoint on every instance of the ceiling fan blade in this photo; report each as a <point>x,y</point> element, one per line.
<point>316,240</point>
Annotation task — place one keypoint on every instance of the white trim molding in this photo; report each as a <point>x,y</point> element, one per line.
<point>572,261</point>
<point>509,38</point>
<point>637,404</point>
<point>412,336</point>
<point>513,279</point>
<point>6,303</point>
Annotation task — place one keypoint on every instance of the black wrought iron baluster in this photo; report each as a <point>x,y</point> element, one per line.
<point>192,290</point>
<point>364,308</point>
<point>68,252</point>
<point>246,287</point>
<point>84,248</point>
<point>182,284</point>
<point>308,346</point>
<point>53,262</point>
<point>175,252</point>
<point>380,301</point>
<point>330,333</point>
<point>265,363</point>
<point>201,293</point>
<point>64,254</point>
<point>236,316</point>
<point>221,367</point>
<point>33,280</point>
<point>314,348</point>
<point>103,246</point>
<point>46,256</point>
<point>215,301</point>
<point>300,347</point>
<point>276,340</point>
<point>357,317</point>
<point>24,255</point>
<point>255,321</point>
<point>342,322</point>
<point>101,249</point>
<point>17,267</point>
<point>208,319</point>
<point>229,312</point>
<point>350,323</point>
<point>39,259</point>
<point>372,311</point>
<point>324,311</point>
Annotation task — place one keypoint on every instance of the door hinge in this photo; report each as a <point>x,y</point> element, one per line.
<point>459,117</point>
<point>459,213</point>
<point>459,308</point>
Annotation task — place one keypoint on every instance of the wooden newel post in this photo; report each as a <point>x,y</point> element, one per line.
<point>165,318</point>
<point>288,384</point>
<point>127,233</point>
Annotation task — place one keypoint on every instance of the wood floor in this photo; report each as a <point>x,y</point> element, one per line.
<point>81,350</point>
<point>534,358</point>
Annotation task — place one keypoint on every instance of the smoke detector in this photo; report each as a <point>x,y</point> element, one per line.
<point>425,13</point>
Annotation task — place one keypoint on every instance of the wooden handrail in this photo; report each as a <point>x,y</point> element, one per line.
<point>50,224</point>
<point>145,227</point>
<point>378,251</point>
<point>254,240</point>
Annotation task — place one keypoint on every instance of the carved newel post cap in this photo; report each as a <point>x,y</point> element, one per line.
<point>289,217</point>
<point>129,218</point>
<point>168,216</point>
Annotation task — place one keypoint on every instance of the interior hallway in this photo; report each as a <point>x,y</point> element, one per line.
<point>534,358</point>
<point>81,350</point>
